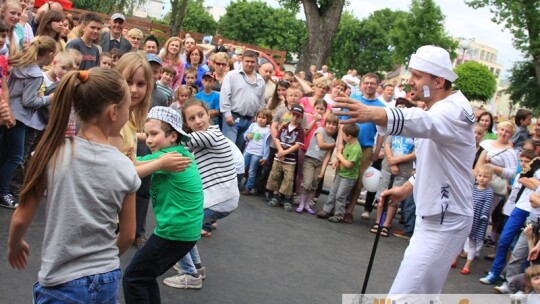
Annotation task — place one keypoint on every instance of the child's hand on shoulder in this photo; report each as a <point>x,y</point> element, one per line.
<point>173,162</point>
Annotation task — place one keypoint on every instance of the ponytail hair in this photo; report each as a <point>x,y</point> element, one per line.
<point>127,65</point>
<point>39,47</point>
<point>88,93</point>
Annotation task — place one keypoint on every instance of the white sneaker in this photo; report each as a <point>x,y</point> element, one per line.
<point>504,289</point>
<point>365,215</point>
<point>183,281</point>
<point>201,272</point>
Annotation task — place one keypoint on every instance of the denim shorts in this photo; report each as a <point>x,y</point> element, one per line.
<point>97,288</point>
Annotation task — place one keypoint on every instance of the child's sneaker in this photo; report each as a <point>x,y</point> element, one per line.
<point>274,202</point>
<point>323,215</point>
<point>184,281</point>
<point>336,218</point>
<point>287,205</point>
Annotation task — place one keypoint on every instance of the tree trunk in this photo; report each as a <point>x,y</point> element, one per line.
<point>178,13</point>
<point>322,25</point>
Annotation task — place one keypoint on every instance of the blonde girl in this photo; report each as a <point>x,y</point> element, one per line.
<point>136,70</point>
<point>88,184</point>
<point>11,14</point>
<point>171,57</point>
<point>532,281</point>
<point>180,96</point>
<point>24,82</point>
<point>214,157</point>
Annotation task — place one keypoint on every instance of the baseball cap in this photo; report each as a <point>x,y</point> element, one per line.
<point>208,74</point>
<point>297,109</point>
<point>118,16</point>
<point>433,60</point>
<point>154,58</point>
<point>170,116</point>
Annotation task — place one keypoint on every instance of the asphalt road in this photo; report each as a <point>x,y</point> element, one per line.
<point>265,255</point>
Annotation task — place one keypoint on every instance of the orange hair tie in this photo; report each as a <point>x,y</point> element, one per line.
<point>83,76</point>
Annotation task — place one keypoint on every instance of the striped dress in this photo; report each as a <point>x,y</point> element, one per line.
<point>482,205</point>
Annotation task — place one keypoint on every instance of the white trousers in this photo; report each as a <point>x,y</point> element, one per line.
<point>432,250</point>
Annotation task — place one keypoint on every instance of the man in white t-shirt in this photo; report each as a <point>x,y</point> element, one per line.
<point>387,96</point>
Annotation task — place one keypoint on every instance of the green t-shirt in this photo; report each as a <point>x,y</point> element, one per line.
<point>177,198</point>
<point>353,153</point>
<point>490,136</point>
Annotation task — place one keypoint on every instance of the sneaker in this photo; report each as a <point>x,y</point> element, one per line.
<point>139,242</point>
<point>253,191</point>
<point>401,234</point>
<point>246,191</point>
<point>323,215</point>
<point>183,281</point>
<point>365,215</point>
<point>274,202</point>
<point>201,272</point>
<point>490,279</point>
<point>214,225</point>
<point>287,207</point>
<point>336,219</point>
<point>9,201</point>
<point>504,289</point>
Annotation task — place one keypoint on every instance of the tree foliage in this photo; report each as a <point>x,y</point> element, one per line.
<point>423,25</point>
<point>322,19</point>
<point>523,88</point>
<point>365,45</point>
<point>475,81</point>
<point>196,18</point>
<point>257,23</point>
<point>108,7</point>
<point>522,18</point>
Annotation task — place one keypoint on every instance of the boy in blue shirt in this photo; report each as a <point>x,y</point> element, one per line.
<point>210,97</point>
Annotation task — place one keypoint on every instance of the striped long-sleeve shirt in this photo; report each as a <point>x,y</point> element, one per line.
<point>214,160</point>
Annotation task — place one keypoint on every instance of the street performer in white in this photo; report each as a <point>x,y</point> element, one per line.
<point>443,184</point>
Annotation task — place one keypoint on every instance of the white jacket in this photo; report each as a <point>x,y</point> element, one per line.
<point>445,149</point>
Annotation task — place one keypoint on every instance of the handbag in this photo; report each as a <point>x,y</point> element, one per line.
<point>499,185</point>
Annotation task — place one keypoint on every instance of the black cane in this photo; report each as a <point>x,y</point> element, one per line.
<point>378,235</point>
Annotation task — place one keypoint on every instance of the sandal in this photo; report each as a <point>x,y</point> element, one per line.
<point>374,228</point>
<point>348,218</point>
<point>385,231</point>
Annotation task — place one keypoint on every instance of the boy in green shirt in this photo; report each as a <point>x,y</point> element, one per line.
<point>349,163</point>
<point>177,198</point>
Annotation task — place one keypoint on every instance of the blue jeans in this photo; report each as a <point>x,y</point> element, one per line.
<point>11,154</point>
<point>511,229</point>
<point>98,288</point>
<point>252,163</point>
<point>188,260</point>
<point>149,262</point>
<point>409,215</point>
<point>236,132</point>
